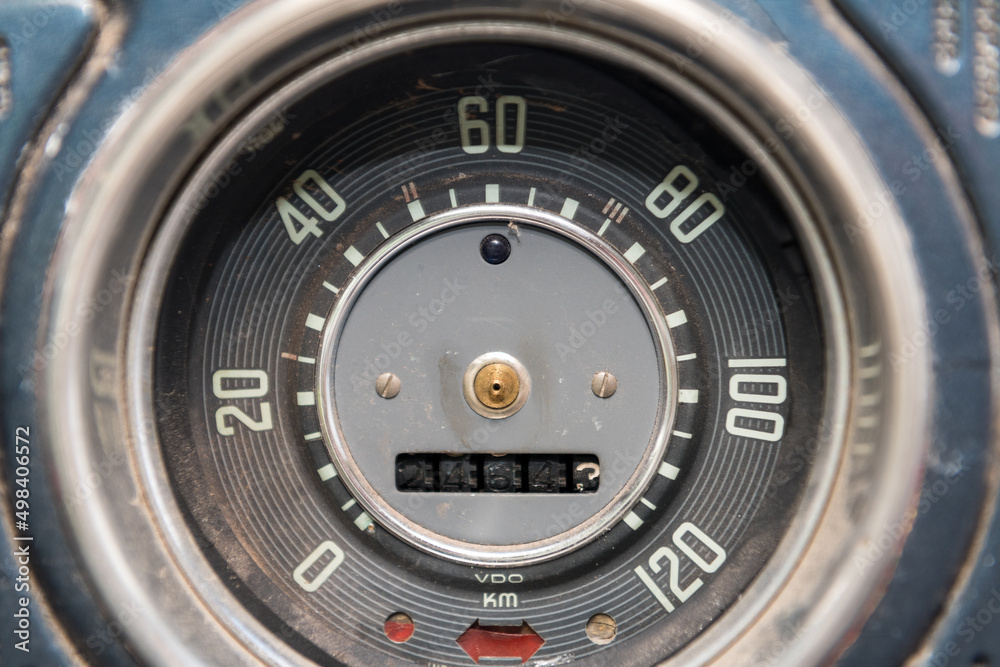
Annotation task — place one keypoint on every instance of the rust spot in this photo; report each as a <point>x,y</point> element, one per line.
<point>423,85</point>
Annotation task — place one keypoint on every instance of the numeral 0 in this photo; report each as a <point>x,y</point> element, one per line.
<point>336,558</point>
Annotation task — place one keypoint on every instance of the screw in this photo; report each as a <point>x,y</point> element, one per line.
<point>604,384</point>
<point>387,385</point>
<point>601,629</point>
<point>399,628</point>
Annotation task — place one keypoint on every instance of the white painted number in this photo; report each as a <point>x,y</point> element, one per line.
<point>678,186</point>
<point>776,421</point>
<point>239,374</point>
<point>688,528</point>
<point>686,236</point>
<point>520,108</point>
<point>767,388</point>
<point>737,382</point>
<point>682,594</point>
<point>656,564</point>
<point>669,186</point>
<point>475,132</point>
<point>263,424</point>
<point>466,125</point>
<point>336,558</point>
<point>300,225</point>
<point>258,389</point>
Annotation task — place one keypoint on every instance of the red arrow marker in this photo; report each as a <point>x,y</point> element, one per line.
<point>500,641</point>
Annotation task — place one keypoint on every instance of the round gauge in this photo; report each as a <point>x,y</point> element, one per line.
<point>484,351</point>
<point>488,337</point>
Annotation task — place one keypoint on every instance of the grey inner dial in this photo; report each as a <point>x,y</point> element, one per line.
<point>564,306</point>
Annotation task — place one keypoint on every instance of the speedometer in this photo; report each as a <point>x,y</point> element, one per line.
<point>499,335</point>
<point>498,346</point>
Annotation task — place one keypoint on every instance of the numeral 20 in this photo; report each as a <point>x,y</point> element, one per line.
<point>258,391</point>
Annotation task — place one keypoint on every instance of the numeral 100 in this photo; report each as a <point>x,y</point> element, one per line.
<point>742,421</point>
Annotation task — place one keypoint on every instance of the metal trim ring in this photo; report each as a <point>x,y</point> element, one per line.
<point>130,535</point>
<point>520,554</point>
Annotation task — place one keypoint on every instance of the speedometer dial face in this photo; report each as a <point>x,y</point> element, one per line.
<point>485,352</point>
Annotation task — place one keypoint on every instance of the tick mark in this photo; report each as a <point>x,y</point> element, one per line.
<point>354,256</point>
<point>687,395</point>
<point>634,253</point>
<point>668,471</point>
<point>676,319</point>
<point>315,322</point>
<point>569,208</point>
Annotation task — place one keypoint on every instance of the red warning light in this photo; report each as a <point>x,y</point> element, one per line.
<point>500,641</point>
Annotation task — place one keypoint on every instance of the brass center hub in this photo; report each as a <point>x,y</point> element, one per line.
<point>497,386</point>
